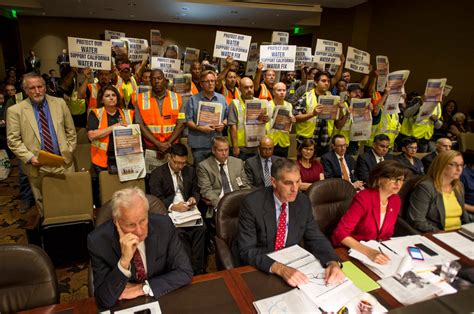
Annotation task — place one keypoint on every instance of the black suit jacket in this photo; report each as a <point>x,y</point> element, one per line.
<point>416,168</point>
<point>332,167</point>
<point>427,160</point>
<point>365,163</point>
<point>258,226</point>
<point>254,170</point>
<point>168,266</point>
<point>161,184</point>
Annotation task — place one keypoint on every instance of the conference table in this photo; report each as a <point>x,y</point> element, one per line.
<point>235,290</point>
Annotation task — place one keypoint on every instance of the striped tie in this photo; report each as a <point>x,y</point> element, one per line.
<point>47,141</point>
<point>266,174</point>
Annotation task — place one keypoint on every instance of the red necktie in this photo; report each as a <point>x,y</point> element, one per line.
<point>140,272</point>
<point>281,231</point>
<point>47,141</point>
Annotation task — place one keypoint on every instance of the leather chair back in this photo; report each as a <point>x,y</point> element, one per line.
<point>227,222</point>
<point>330,199</point>
<point>156,206</point>
<point>405,193</point>
<point>110,183</point>
<point>27,279</point>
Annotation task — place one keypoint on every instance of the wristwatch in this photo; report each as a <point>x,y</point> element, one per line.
<point>146,288</point>
<point>338,262</point>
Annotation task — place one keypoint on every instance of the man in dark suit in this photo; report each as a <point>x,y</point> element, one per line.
<point>175,183</point>
<point>338,164</point>
<point>136,253</point>
<point>32,63</point>
<point>442,144</point>
<point>368,160</point>
<point>258,168</point>
<point>265,226</point>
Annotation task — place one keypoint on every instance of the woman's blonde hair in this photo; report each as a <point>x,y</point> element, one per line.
<point>437,168</point>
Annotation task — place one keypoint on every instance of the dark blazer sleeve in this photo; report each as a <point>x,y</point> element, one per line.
<point>351,165</point>
<point>314,240</point>
<point>161,184</point>
<point>192,187</point>
<point>177,271</point>
<point>252,248</point>
<point>328,166</point>
<point>362,168</point>
<point>422,201</point>
<point>251,171</point>
<point>109,281</point>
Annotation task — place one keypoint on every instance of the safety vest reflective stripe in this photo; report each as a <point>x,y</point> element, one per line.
<point>425,128</point>
<point>100,146</point>
<point>132,82</point>
<point>229,96</point>
<point>93,91</point>
<point>281,138</point>
<point>161,125</point>
<point>265,93</point>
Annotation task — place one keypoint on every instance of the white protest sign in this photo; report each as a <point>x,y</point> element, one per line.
<point>137,48</point>
<point>280,38</point>
<point>357,60</point>
<point>278,57</point>
<point>89,53</point>
<point>170,67</point>
<point>447,90</point>
<point>328,51</point>
<point>113,35</point>
<point>383,69</point>
<point>252,61</point>
<point>230,44</point>
<point>303,55</point>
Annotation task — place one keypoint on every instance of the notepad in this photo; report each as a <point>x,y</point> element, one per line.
<point>359,278</point>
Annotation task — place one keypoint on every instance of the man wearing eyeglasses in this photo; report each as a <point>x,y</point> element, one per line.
<point>175,183</point>
<point>201,135</point>
<point>407,157</point>
<point>337,163</point>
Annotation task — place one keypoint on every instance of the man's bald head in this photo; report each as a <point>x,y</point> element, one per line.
<point>266,147</point>
<point>246,88</point>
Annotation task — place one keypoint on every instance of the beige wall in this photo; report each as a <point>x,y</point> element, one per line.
<point>48,36</point>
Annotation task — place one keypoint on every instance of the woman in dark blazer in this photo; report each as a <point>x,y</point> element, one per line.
<point>374,211</point>
<point>437,203</point>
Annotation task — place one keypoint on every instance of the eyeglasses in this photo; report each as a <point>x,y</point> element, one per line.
<point>396,180</point>
<point>455,165</point>
<point>209,82</point>
<point>412,147</point>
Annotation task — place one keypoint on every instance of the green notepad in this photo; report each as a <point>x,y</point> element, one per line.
<point>359,278</point>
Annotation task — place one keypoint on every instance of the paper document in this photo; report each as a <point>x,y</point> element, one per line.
<point>189,218</point>
<point>293,301</point>
<point>458,242</point>
<point>330,297</point>
<point>468,230</point>
<point>409,291</point>
<point>152,308</point>
<point>49,159</point>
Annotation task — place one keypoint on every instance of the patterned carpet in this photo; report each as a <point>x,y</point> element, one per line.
<point>72,277</point>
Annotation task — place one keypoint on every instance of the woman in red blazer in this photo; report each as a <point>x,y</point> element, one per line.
<point>374,211</point>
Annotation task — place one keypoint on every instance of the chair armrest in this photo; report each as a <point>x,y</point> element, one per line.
<point>403,228</point>
<point>224,258</point>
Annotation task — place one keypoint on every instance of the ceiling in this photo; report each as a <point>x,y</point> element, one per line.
<point>268,14</point>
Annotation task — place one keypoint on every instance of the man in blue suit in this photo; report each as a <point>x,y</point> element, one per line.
<point>136,253</point>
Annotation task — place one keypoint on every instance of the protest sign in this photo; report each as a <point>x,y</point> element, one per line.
<point>230,44</point>
<point>280,38</point>
<point>190,55</point>
<point>447,90</point>
<point>129,152</point>
<point>303,55</point>
<point>182,84</point>
<point>361,117</point>
<point>170,67</point>
<point>209,113</point>
<point>330,108</point>
<point>156,43</point>
<point>137,48</point>
<point>395,82</point>
<point>113,35</point>
<point>280,58</point>
<point>252,62</point>
<point>89,53</point>
<point>328,51</point>
<point>357,60</point>
<point>382,68</point>
<point>426,110</point>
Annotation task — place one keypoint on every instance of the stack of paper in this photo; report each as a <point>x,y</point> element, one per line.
<point>329,298</point>
<point>409,293</point>
<point>188,218</point>
<point>293,301</point>
<point>468,230</point>
<point>458,242</point>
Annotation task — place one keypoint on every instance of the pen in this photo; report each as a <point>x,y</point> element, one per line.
<point>380,249</point>
<point>389,248</point>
